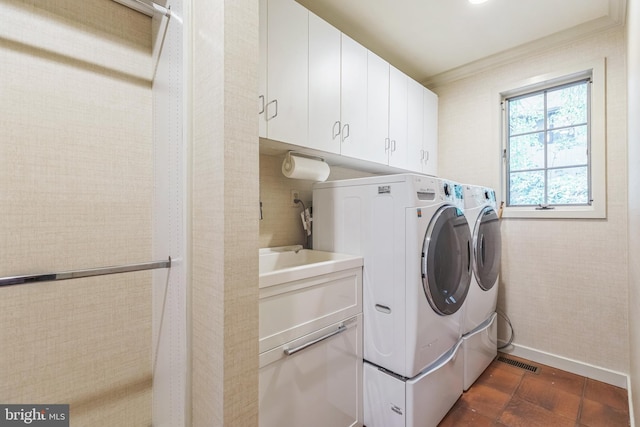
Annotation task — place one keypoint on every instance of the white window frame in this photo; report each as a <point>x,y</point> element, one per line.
<point>597,154</point>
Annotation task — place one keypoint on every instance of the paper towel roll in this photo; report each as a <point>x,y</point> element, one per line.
<point>304,168</point>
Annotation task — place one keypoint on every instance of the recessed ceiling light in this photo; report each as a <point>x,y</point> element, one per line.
<point>477,1</point>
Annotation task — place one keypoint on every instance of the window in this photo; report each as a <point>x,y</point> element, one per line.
<point>553,148</point>
<point>548,147</point>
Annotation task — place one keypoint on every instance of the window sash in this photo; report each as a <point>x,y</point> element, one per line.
<point>545,132</point>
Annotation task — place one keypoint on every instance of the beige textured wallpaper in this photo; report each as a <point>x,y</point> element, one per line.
<point>75,192</point>
<point>281,224</point>
<point>224,288</point>
<point>563,282</point>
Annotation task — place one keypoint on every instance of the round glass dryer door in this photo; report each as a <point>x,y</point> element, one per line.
<point>487,248</point>
<point>446,260</point>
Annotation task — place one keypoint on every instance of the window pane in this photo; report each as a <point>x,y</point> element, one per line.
<point>567,147</point>
<point>526,114</point>
<point>526,151</point>
<point>526,188</point>
<point>567,106</point>
<point>568,186</point>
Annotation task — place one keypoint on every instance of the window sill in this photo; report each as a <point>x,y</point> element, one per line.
<point>564,212</point>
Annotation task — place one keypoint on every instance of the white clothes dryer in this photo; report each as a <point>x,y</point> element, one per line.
<point>479,322</point>
<point>416,245</point>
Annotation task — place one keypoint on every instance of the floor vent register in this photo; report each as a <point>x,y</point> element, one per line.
<point>519,364</point>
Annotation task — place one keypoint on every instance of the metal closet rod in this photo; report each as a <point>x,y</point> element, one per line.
<point>65,275</point>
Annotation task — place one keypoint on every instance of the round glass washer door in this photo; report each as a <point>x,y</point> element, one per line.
<point>446,260</point>
<point>487,248</point>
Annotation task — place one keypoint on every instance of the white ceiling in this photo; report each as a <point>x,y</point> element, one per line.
<point>425,38</point>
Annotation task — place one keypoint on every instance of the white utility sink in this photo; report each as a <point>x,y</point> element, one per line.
<point>310,337</point>
<point>288,263</point>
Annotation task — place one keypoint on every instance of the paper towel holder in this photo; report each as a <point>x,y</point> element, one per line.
<point>299,154</point>
<point>307,167</point>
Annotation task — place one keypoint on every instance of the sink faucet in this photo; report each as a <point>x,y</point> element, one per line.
<point>306,221</point>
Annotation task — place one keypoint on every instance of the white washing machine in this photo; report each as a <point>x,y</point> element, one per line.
<point>415,241</point>
<point>479,346</point>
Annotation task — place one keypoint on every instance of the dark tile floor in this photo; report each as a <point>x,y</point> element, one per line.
<point>508,396</point>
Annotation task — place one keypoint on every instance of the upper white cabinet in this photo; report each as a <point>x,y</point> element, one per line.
<point>397,118</point>
<point>337,91</point>
<point>262,71</point>
<point>377,109</point>
<point>415,125</point>
<point>430,138</point>
<point>324,86</point>
<point>320,89</point>
<point>386,113</point>
<point>284,99</point>
<point>353,100</point>
<point>422,127</point>
<point>422,120</point>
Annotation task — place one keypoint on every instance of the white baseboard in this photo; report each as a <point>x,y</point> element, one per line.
<point>608,376</point>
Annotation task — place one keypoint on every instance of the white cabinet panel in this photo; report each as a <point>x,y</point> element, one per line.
<point>318,386</point>
<point>415,125</point>
<point>287,71</point>
<point>397,118</point>
<point>353,99</point>
<point>293,309</point>
<point>430,141</point>
<point>422,125</point>
<point>377,109</point>
<point>262,72</point>
<point>386,113</point>
<point>324,86</point>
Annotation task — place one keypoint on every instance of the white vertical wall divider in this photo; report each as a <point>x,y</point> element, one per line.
<point>169,357</point>
<point>633,142</point>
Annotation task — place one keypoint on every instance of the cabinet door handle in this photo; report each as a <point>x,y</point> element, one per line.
<point>393,145</point>
<point>421,155</point>
<point>345,132</point>
<point>426,157</point>
<point>336,133</point>
<point>387,144</point>
<point>275,101</point>
<point>292,351</point>
<point>261,98</point>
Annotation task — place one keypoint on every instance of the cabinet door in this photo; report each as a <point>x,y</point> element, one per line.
<point>353,99</point>
<point>324,86</point>
<point>378,143</point>
<point>287,71</point>
<point>262,70</point>
<point>415,125</point>
<point>430,142</point>
<point>318,386</point>
<point>397,118</point>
